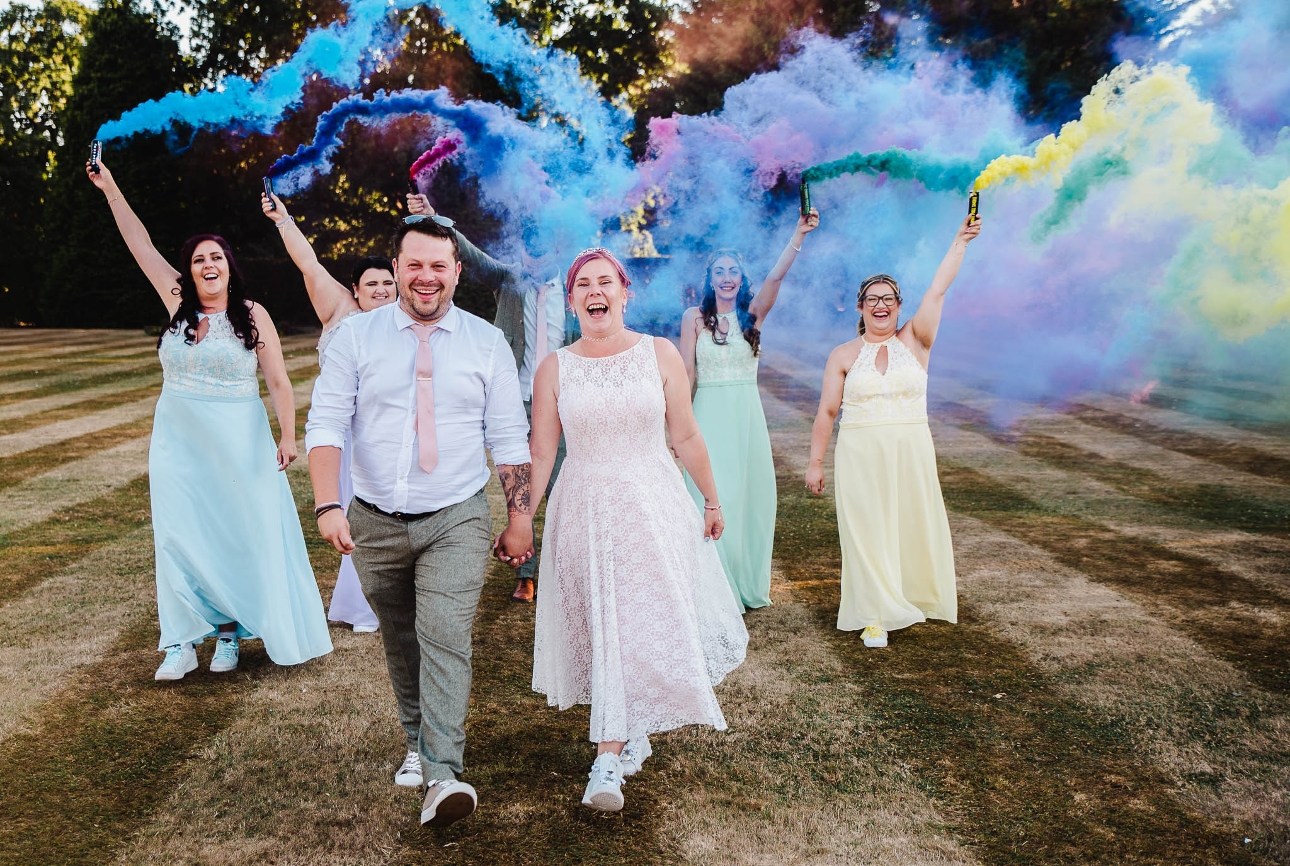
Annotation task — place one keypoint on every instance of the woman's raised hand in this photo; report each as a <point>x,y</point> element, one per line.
<point>969,229</point>
<point>419,204</point>
<point>809,223</point>
<point>101,178</point>
<point>275,209</point>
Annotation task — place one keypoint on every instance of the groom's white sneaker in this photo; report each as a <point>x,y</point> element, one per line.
<point>409,773</point>
<point>604,788</point>
<point>447,801</point>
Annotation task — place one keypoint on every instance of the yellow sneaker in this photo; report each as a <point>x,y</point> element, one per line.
<point>874,636</point>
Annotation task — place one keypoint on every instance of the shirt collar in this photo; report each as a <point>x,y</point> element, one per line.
<point>403,321</point>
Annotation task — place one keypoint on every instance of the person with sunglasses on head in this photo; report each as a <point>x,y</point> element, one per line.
<point>425,392</point>
<point>720,342</point>
<point>371,286</point>
<point>532,313</point>
<point>897,557</point>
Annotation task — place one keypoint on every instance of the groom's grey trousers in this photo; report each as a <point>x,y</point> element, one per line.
<point>423,578</point>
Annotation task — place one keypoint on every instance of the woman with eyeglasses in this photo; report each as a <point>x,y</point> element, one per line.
<point>720,342</point>
<point>371,286</point>
<point>897,560</point>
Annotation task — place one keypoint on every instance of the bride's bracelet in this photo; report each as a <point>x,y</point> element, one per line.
<point>712,508</point>
<point>285,222</point>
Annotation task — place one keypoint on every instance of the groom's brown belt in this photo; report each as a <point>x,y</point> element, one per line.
<point>397,515</point>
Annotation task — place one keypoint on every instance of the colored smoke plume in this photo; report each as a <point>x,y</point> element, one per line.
<point>427,164</point>
<point>900,164</point>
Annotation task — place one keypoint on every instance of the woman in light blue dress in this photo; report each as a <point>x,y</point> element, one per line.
<point>231,559</point>
<point>720,340</point>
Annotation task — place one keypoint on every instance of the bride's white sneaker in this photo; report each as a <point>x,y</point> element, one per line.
<point>634,754</point>
<point>604,788</point>
<point>180,659</point>
<point>408,775</point>
<point>874,636</point>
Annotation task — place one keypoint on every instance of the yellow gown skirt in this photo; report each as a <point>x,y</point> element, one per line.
<point>897,559</point>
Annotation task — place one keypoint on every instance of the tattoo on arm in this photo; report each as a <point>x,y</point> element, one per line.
<point>516,481</point>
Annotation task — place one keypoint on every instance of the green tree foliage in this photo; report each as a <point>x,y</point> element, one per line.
<point>246,37</point>
<point>39,48</point>
<point>129,56</point>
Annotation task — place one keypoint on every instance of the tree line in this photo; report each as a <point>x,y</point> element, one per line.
<point>66,68</point>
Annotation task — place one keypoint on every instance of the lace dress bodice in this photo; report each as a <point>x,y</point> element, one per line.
<point>899,395</point>
<point>731,363</point>
<point>612,409</point>
<point>324,339</point>
<point>219,365</point>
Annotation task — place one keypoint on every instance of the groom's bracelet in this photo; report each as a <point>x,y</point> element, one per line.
<point>325,507</point>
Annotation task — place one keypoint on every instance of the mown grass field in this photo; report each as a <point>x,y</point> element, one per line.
<point>1117,691</point>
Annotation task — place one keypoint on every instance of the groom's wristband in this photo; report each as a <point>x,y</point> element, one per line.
<point>325,507</point>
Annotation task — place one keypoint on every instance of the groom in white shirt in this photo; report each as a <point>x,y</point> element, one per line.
<point>424,388</point>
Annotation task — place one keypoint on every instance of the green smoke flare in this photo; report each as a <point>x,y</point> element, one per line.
<point>938,175</point>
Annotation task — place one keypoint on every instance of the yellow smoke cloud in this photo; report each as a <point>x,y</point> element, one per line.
<point>1231,269</point>
<point>1125,105</point>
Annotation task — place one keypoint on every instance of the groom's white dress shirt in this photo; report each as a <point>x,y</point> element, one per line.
<point>368,387</point>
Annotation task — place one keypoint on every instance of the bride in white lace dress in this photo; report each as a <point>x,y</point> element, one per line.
<point>634,613</point>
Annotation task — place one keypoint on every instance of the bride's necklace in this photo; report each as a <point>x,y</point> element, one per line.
<point>605,338</point>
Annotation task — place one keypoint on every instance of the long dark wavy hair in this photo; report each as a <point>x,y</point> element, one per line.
<point>708,306</point>
<point>239,300</point>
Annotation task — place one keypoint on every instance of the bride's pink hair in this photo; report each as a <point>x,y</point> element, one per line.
<point>587,255</point>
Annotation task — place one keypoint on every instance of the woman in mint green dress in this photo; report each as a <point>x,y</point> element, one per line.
<point>720,340</point>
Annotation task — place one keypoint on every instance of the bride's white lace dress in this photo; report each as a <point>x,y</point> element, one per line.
<point>634,613</point>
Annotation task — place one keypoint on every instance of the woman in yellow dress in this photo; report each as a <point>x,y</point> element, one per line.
<point>897,561</point>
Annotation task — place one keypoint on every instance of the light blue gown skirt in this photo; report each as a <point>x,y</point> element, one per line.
<point>733,424</point>
<point>228,540</point>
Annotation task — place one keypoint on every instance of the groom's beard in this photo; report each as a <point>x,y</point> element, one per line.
<point>430,308</point>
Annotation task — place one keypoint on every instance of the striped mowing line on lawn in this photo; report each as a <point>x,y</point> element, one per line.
<point>32,340</point>
<point>1241,455</point>
<point>81,409</point>
<point>72,619</point>
<point>52,434</point>
<point>70,484</point>
<point>1252,413</point>
<point>29,386</point>
<point>39,367</point>
<point>39,551</point>
<point>23,409</point>
<point>1253,506</point>
<point>1220,740</point>
<point>1158,420</point>
<point>45,358</point>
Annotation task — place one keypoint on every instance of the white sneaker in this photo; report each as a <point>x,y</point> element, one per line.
<point>409,773</point>
<point>447,801</point>
<point>604,787</point>
<point>225,658</point>
<point>365,629</point>
<point>180,659</point>
<point>634,754</point>
<point>874,636</point>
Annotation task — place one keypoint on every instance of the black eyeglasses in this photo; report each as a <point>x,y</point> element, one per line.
<point>873,300</point>
<point>422,217</point>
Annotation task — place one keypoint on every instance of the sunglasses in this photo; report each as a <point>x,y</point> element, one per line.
<point>422,217</point>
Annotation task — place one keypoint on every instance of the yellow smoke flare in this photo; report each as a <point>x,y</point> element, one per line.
<point>1125,104</point>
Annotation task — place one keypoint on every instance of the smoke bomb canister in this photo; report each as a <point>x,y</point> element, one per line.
<point>974,201</point>
<point>96,151</point>
<point>805,191</point>
<point>268,191</point>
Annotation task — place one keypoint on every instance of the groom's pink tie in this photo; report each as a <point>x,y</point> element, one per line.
<point>428,455</point>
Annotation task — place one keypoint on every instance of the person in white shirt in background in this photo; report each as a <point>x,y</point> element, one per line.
<point>424,388</point>
<point>533,314</point>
